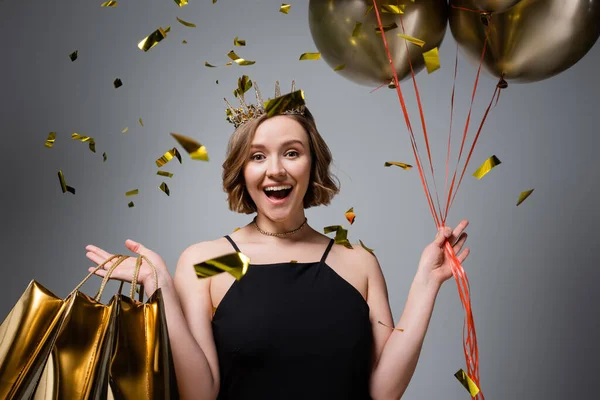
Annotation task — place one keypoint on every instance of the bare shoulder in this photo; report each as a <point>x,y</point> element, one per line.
<point>357,257</point>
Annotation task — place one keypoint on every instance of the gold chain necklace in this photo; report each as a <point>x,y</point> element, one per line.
<point>282,233</point>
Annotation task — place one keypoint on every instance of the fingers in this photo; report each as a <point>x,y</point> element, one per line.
<point>96,250</point>
<point>442,235</point>
<point>460,228</point>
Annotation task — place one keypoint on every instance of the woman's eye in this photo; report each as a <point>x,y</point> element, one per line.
<point>256,157</point>
<point>293,154</point>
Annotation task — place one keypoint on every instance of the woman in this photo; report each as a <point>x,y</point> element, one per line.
<point>303,323</point>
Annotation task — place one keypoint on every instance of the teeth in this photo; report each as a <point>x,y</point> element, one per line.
<point>274,188</point>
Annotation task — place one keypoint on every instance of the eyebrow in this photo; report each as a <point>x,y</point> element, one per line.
<point>287,143</point>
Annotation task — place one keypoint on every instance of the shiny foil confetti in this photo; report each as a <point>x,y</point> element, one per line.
<point>130,204</point>
<point>524,195</point>
<point>63,185</point>
<point>369,9</point>
<point>164,173</point>
<point>432,60</point>
<point>234,263</point>
<point>111,3</point>
<point>350,216</point>
<point>181,3</point>
<point>391,327</point>
<point>50,140</point>
<point>194,149</point>
<point>117,83</point>
<point>163,186</point>
<point>310,56</point>
<point>340,67</point>
<point>236,229</point>
<point>366,248</point>
<point>90,140</point>
<point>390,9</point>
<point>284,103</point>
<point>141,121</point>
<point>387,27</point>
<point>185,23</point>
<point>167,29</point>
<point>152,40</point>
<point>184,42</point>
<point>357,29</point>
<point>285,8</point>
<point>341,235</point>
<point>168,156</point>
<point>244,84</point>
<point>486,167</point>
<point>133,192</point>
<point>411,39</point>
<point>125,130</point>
<point>238,60</point>
<point>294,261</point>
<point>466,381</point>
<point>73,55</point>
<point>103,157</point>
<point>238,42</point>
<point>209,65</point>
<point>397,164</point>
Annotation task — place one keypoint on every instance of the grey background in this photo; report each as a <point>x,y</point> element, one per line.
<point>533,268</point>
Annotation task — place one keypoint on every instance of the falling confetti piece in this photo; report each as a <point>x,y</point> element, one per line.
<point>181,3</point>
<point>184,41</point>
<point>234,263</point>
<point>63,184</point>
<point>141,121</point>
<point>185,23</point>
<point>217,82</point>
<point>486,167</point>
<point>237,229</point>
<point>310,56</point>
<point>163,186</point>
<point>411,39</point>
<point>164,173</point>
<point>369,9</point>
<point>350,216</point>
<point>524,195</point>
<point>244,84</point>
<point>130,205</point>
<point>228,64</point>
<point>168,156</point>
<point>238,42</point>
<point>153,39</point>
<point>397,164</point>
<point>466,381</point>
<point>103,157</point>
<point>366,248</point>
<point>90,140</point>
<point>167,29</point>
<point>238,60</point>
<point>111,3</point>
<point>357,29</point>
<point>209,65</point>
<point>387,27</point>
<point>391,327</point>
<point>50,140</point>
<point>73,55</point>
<point>132,192</point>
<point>194,149</point>
<point>214,1</point>
<point>281,104</point>
<point>340,67</point>
<point>117,83</point>
<point>432,60</point>
<point>389,9</point>
<point>125,130</point>
<point>341,235</point>
<point>285,8</point>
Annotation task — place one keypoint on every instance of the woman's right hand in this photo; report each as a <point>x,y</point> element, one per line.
<point>125,270</point>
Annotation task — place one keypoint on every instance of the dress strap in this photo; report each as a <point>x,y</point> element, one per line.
<point>233,243</point>
<point>327,251</point>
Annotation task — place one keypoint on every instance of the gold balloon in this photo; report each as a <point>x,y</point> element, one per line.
<point>496,6</point>
<point>362,57</point>
<point>534,40</point>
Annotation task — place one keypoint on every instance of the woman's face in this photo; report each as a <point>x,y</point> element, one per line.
<point>277,173</point>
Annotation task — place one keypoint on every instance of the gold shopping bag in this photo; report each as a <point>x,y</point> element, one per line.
<point>142,364</point>
<point>27,336</point>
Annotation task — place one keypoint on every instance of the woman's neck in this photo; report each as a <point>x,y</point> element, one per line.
<point>289,226</point>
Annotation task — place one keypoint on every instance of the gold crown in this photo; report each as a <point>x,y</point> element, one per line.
<point>291,103</point>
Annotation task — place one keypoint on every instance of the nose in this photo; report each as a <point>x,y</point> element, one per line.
<point>275,167</point>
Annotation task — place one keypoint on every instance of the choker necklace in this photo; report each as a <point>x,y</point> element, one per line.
<point>282,233</point>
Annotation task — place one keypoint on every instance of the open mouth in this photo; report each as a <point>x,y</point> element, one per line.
<point>278,193</point>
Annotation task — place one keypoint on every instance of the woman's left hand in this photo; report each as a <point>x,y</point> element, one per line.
<point>435,266</point>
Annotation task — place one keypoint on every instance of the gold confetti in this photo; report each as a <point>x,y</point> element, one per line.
<point>184,41</point>
<point>164,173</point>
<point>217,81</point>
<point>357,29</point>
<point>369,9</point>
<point>125,130</point>
<point>194,149</point>
<point>366,248</point>
<point>63,185</point>
<point>285,8</point>
<point>141,121</point>
<point>340,67</point>
<point>73,55</point>
<point>389,9</point>
<point>341,235</point>
<point>228,64</point>
<point>163,186</point>
<point>152,40</point>
<point>130,205</point>
<point>397,164</point>
<point>117,83</point>
<point>168,156</point>
<point>50,140</point>
<point>214,1</point>
<point>181,3</point>
<point>432,60</point>
<point>411,39</point>
<point>238,42</point>
<point>244,84</point>
<point>167,29</point>
<point>486,167</point>
<point>466,381</point>
<point>185,23</point>
<point>294,261</point>
<point>524,195</point>
<point>391,327</point>
<point>103,157</point>
<point>132,192</point>
<point>90,140</point>
<point>310,56</point>
<point>350,216</point>
<point>238,60</point>
<point>284,103</point>
<point>236,229</point>
<point>111,3</point>
<point>234,263</point>
<point>209,65</point>
<point>387,27</point>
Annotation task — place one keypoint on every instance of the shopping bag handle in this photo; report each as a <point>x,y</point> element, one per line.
<point>134,280</point>
<point>122,258</point>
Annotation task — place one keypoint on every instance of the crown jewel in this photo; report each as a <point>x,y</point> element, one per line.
<point>291,103</point>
